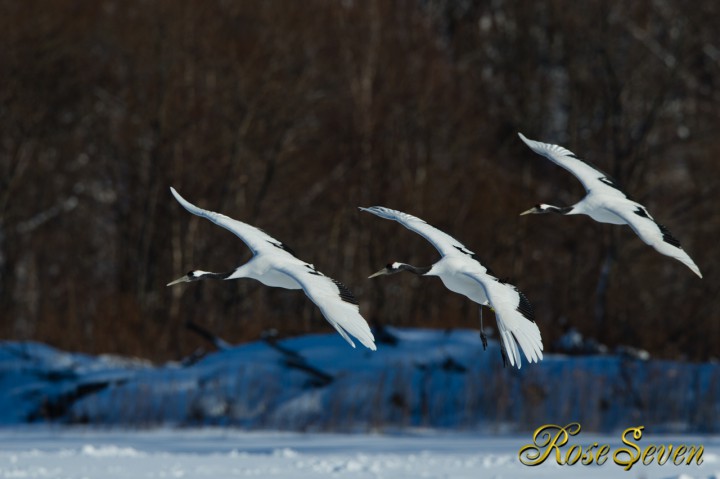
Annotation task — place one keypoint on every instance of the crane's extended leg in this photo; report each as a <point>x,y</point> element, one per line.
<point>483,338</point>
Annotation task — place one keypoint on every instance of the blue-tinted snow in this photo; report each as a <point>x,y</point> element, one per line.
<point>431,379</point>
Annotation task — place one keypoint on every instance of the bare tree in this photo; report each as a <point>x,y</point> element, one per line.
<point>289,115</point>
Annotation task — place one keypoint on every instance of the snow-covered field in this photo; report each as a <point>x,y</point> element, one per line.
<point>219,453</point>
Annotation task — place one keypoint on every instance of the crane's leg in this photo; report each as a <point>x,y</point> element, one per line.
<point>483,338</point>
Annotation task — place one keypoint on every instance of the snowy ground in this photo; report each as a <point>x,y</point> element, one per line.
<point>217,454</point>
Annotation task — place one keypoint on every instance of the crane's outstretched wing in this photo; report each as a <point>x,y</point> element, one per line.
<point>443,242</point>
<point>590,177</point>
<point>255,238</point>
<point>334,299</point>
<point>652,233</point>
<point>515,318</point>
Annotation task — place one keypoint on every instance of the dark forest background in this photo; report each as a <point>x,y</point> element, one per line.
<point>288,115</point>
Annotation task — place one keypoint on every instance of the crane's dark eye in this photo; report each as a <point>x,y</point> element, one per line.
<point>191,274</point>
<point>389,266</point>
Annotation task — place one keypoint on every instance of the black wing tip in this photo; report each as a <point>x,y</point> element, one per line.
<point>345,293</point>
<point>525,307</point>
<point>668,237</point>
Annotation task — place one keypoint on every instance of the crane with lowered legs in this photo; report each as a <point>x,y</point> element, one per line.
<point>461,272</point>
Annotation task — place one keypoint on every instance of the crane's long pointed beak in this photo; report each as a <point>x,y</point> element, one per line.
<point>184,279</point>
<point>379,273</point>
<point>531,210</point>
